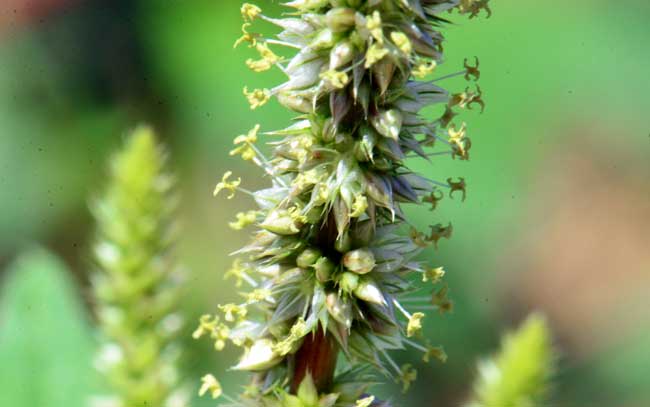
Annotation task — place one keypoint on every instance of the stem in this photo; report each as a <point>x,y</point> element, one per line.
<point>319,351</point>
<point>317,356</point>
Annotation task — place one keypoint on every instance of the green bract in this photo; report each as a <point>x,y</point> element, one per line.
<point>331,225</point>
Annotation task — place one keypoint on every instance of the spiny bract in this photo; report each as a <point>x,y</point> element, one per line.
<point>330,262</point>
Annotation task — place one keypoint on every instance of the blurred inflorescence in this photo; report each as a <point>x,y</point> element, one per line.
<point>137,281</point>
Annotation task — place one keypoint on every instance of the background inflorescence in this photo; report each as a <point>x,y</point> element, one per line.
<point>137,282</point>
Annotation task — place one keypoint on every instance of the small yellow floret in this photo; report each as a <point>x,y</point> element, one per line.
<point>434,274</point>
<point>424,68</point>
<point>374,54</point>
<point>250,12</point>
<point>365,402</point>
<point>212,385</point>
<point>245,144</point>
<point>257,295</point>
<point>246,36</point>
<point>359,206</point>
<point>415,324</point>
<point>402,42</point>
<point>269,58</point>
<point>244,219</point>
<point>258,97</point>
<point>227,185</point>
<point>407,375</point>
<point>337,79</point>
<point>237,270</point>
<point>373,24</point>
<point>233,310</point>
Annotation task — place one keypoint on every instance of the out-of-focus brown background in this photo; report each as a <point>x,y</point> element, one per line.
<point>557,217</point>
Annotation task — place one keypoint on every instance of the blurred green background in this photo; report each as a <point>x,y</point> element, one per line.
<point>557,217</point>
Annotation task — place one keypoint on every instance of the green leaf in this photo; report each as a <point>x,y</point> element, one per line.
<point>46,345</point>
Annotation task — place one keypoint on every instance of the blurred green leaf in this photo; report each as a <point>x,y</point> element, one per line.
<point>46,345</point>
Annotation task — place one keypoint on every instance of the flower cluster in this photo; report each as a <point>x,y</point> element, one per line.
<point>136,284</point>
<point>332,256</point>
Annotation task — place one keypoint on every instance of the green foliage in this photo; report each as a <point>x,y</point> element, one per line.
<point>136,283</point>
<point>45,341</point>
<point>519,375</point>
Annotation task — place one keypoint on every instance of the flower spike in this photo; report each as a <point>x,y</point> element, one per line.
<point>331,261</point>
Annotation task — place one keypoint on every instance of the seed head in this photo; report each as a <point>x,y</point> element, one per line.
<point>332,259</point>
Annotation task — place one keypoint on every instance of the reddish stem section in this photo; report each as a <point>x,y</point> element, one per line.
<point>316,356</point>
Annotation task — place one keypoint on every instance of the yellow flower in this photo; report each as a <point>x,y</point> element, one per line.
<point>212,385</point>
<point>436,352</point>
<point>257,295</point>
<point>245,142</point>
<point>373,24</point>
<point>244,219</point>
<point>424,68</point>
<point>375,53</point>
<point>207,325</point>
<point>305,5</point>
<point>305,180</point>
<point>337,79</point>
<point>365,402</point>
<point>457,134</point>
<point>467,99</point>
<point>460,143</point>
<point>246,37</point>
<point>359,206</point>
<point>227,185</point>
<point>237,270</point>
<point>250,12</point>
<point>220,335</point>
<point>232,310</point>
<point>298,331</point>
<point>407,375</point>
<point>435,275</point>
<point>250,137</point>
<point>268,59</point>
<point>266,53</point>
<point>218,331</point>
<point>402,42</point>
<point>259,65</point>
<point>415,324</point>
<point>258,97</point>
